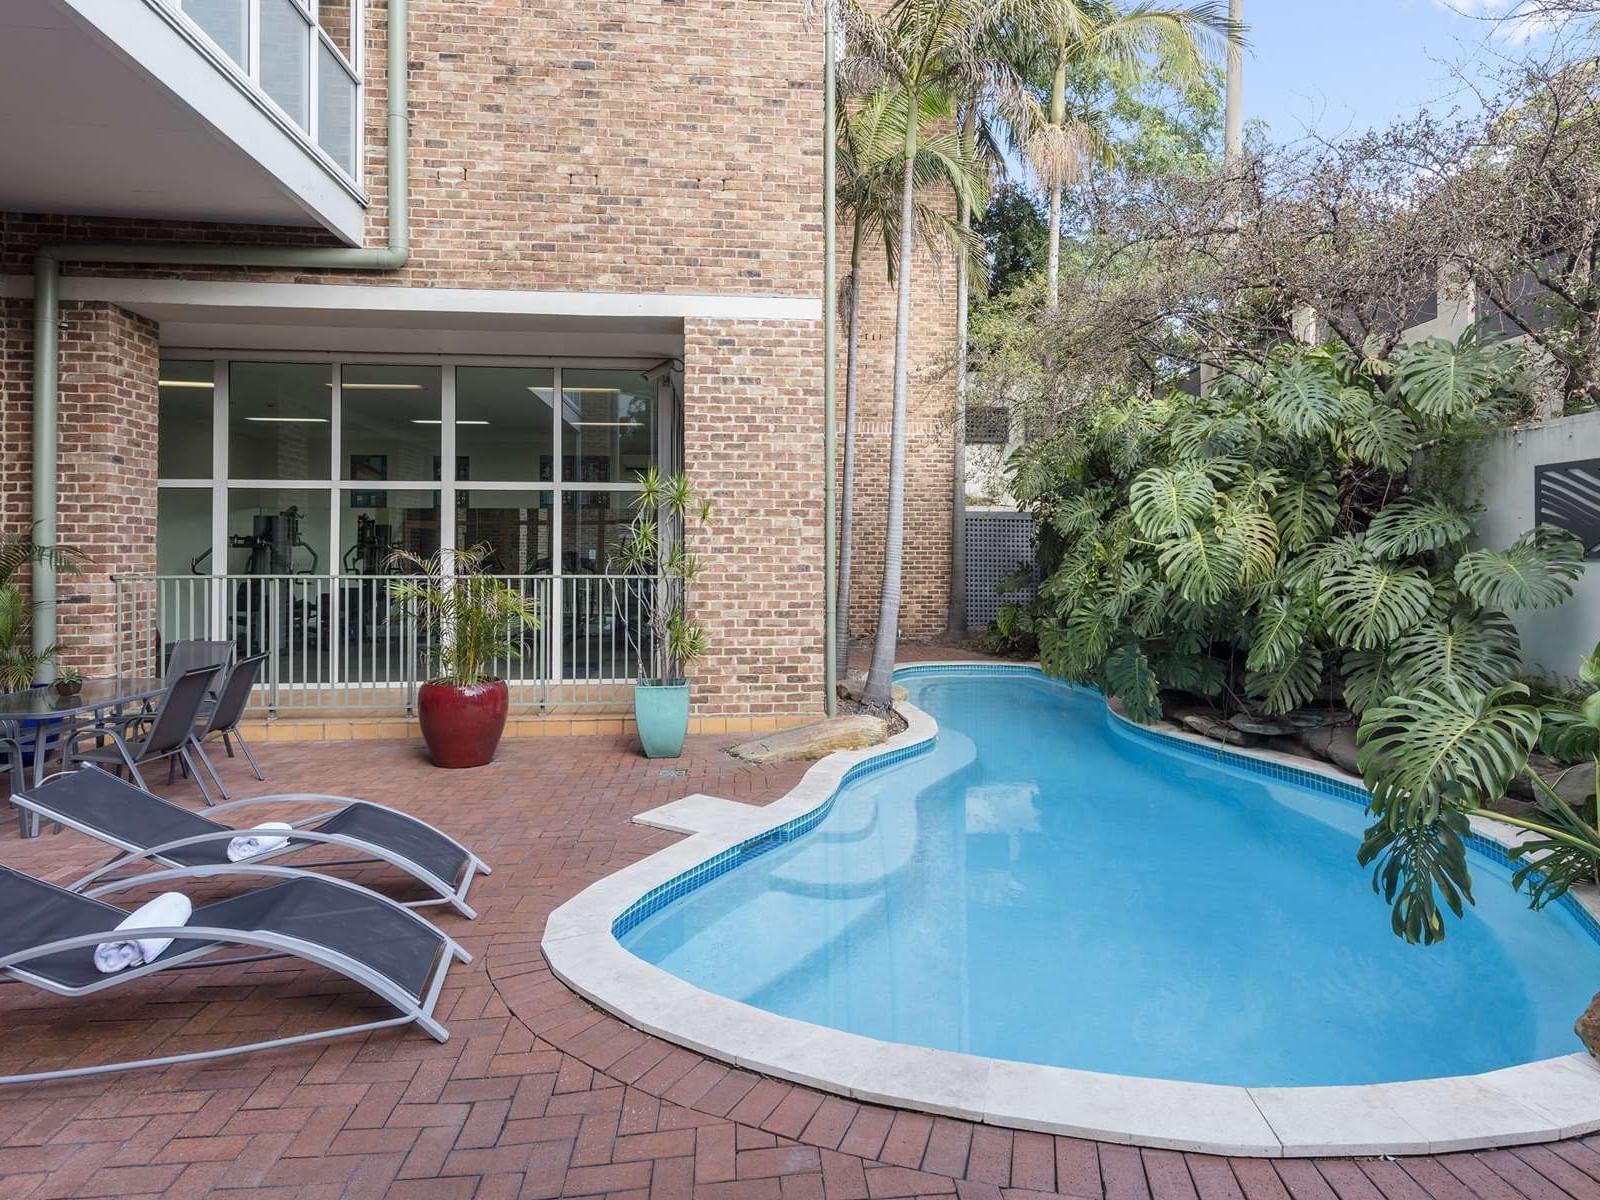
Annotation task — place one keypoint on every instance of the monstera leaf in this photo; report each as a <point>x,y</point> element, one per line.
<point>1276,633</point>
<point>1078,513</point>
<point>1369,679</point>
<point>1304,509</point>
<point>1129,677</point>
<point>1536,572</point>
<point>1290,684</point>
<point>1443,746</point>
<point>1479,651</point>
<point>1197,673</point>
<point>1414,524</point>
<point>1450,379</point>
<point>1202,566</point>
<point>1251,531</point>
<point>1089,629</point>
<point>1169,500</point>
<point>1302,398</point>
<point>1369,603</point>
<point>1416,866</point>
<point>1379,433</point>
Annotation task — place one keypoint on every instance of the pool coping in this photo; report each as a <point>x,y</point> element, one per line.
<point>1540,1101</point>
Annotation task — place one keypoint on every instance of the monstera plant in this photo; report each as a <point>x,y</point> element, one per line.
<point>1443,752</point>
<point>1300,531</point>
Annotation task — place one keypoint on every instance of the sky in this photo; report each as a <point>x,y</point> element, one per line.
<point>1342,66</point>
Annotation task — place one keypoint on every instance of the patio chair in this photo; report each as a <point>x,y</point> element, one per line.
<point>186,655</point>
<point>50,935</point>
<point>148,827</point>
<point>164,736</point>
<point>222,716</point>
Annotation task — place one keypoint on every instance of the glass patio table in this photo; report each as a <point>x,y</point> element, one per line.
<point>44,709</point>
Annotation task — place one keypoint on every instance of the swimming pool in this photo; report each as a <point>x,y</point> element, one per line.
<point>1047,885</point>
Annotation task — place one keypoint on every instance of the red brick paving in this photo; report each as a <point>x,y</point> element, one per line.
<point>537,1094</point>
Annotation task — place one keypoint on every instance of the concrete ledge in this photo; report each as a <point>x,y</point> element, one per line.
<point>1540,1101</point>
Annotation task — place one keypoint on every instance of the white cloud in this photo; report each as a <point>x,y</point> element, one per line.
<point>1516,21</point>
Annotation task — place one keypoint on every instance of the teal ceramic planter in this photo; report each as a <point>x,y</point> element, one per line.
<point>661,711</point>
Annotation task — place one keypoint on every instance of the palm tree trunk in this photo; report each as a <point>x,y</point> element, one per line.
<point>1058,120</point>
<point>847,483</point>
<point>956,624</point>
<point>880,678</point>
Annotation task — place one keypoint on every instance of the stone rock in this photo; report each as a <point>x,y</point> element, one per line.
<point>1262,726</point>
<point>805,743</point>
<point>1216,730</point>
<point>1335,743</point>
<point>1587,1027</point>
<point>851,687</point>
<point>1573,783</point>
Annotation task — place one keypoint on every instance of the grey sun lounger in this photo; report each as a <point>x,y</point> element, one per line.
<point>49,937</point>
<point>146,826</point>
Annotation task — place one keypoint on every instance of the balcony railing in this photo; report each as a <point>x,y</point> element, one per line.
<point>340,642</point>
<point>303,55</point>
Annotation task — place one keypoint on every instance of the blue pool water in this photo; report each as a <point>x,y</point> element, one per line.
<point>1047,886</point>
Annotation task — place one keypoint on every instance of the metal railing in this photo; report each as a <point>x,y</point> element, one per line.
<point>341,642</point>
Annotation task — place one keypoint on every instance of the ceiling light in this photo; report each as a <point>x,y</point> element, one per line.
<point>605,424</point>
<point>378,387</point>
<point>187,383</point>
<point>437,421</point>
<point>292,420</point>
<point>547,393</point>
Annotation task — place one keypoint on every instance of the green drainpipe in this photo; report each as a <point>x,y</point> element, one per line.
<point>47,303</point>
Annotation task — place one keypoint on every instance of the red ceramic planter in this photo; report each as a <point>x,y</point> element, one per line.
<point>462,724</point>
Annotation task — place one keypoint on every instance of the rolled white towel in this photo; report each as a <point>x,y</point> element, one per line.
<point>259,840</point>
<point>169,908</point>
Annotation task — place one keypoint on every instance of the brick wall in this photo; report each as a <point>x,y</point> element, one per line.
<point>753,444</point>
<point>925,579</point>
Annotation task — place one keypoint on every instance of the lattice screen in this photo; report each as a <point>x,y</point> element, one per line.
<point>998,542</point>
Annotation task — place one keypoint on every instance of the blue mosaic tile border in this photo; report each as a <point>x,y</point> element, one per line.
<point>664,894</point>
<point>658,897</point>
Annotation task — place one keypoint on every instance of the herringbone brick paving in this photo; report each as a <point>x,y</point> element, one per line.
<point>537,1094</point>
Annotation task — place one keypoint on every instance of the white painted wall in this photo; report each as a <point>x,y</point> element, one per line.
<point>1553,640</point>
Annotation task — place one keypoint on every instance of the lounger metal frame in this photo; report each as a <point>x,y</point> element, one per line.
<point>455,895</point>
<point>412,1011</point>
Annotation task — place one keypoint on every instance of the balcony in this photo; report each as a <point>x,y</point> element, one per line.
<point>238,111</point>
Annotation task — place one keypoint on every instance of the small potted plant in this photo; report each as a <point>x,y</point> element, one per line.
<point>68,682</point>
<point>475,621</point>
<point>666,641</point>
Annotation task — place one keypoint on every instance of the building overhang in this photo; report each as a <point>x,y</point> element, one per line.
<point>375,319</point>
<point>122,108</point>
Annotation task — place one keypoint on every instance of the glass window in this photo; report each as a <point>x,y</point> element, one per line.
<point>285,47</point>
<point>279,418</point>
<point>278,531</point>
<point>593,525</point>
<point>187,394</point>
<point>514,525</point>
<point>336,109</point>
<point>372,524</point>
<point>389,422</point>
<point>503,424</point>
<point>224,22</point>
<point>334,17</point>
<point>183,531</point>
<point>608,425</point>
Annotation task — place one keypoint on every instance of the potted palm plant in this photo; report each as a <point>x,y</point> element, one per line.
<point>475,622</point>
<point>666,641</point>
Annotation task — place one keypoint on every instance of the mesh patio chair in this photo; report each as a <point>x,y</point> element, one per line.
<point>147,826</point>
<point>49,937</point>
<point>221,717</point>
<point>184,656</point>
<point>164,736</point>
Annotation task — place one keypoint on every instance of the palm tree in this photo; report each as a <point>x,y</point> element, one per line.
<point>869,190</point>
<point>920,51</point>
<point>1057,35</point>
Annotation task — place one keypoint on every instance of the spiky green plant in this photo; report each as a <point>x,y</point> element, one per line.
<point>20,663</point>
<point>474,621</point>
<point>666,509</point>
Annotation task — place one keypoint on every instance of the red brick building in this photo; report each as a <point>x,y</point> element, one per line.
<point>614,261</point>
